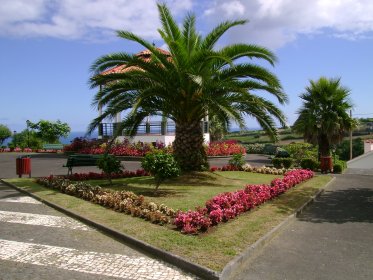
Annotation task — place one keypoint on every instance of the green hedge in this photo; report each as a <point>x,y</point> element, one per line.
<point>282,162</point>
<point>310,163</point>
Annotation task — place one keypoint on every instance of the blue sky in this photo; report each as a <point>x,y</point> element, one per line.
<point>47,47</point>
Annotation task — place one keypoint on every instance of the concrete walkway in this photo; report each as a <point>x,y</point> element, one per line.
<point>38,242</point>
<point>332,239</point>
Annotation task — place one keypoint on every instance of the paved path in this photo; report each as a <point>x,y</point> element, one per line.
<point>332,239</point>
<point>47,164</point>
<point>37,242</point>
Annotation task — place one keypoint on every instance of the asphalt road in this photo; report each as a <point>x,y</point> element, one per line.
<point>332,239</point>
<point>47,164</point>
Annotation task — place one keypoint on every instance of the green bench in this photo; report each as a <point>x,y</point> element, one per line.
<point>53,146</point>
<point>81,160</point>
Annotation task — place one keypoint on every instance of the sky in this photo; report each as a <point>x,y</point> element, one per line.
<point>47,47</point>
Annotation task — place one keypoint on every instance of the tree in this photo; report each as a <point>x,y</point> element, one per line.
<point>110,165</point>
<point>50,132</point>
<point>323,119</point>
<point>5,133</point>
<point>161,165</point>
<point>186,84</point>
<point>26,139</point>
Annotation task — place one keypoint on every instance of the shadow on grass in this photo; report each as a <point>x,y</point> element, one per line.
<point>341,206</point>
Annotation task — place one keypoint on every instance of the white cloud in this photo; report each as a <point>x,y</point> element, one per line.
<point>274,23</point>
<point>83,19</point>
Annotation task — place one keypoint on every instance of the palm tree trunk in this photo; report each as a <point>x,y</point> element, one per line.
<point>324,145</point>
<point>188,146</point>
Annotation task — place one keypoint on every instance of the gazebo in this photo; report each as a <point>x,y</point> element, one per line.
<point>149,131</point>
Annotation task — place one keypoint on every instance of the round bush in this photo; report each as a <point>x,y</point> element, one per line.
<point>309,163</point>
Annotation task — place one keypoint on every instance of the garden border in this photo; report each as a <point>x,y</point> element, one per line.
<point>170,258</point>
<point>231,269</point>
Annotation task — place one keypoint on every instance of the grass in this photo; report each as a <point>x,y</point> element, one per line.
<point>213,249</point>
<point>188,191</point>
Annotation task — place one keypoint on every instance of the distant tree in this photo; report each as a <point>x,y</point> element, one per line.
<point>50,132</point>
<point>26,139</point>
<point>323,118</point>
<point>5,133</point>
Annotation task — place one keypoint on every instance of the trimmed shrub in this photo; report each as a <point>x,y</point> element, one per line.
<point>337,168</point>
<point>269,149</point>
<point>160,165</point>
<point>287,162</point>
<point>277,162</point>
<point>282,162</point>
<point>310,163</point>
<point>282,153</point>
<point>237,160</point>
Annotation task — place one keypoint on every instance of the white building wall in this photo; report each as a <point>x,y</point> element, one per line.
<point>368,146</point>
<point>166,139</point>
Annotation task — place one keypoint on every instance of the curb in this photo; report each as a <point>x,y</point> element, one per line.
<point>185,265</point>
<point>249,253</point>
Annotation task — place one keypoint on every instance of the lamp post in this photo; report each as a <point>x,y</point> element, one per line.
<point>28,134</point>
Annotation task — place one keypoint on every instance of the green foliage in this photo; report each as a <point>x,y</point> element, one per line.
<point>343,149</point>
<point>323,118</point>
<point>50,132</point>
<point>109,164</point>
<point>26,139</point>
<point>309,163</point>
<point>254,148</point>
<point>5,133</point>
<point>237,160</point>
<point>282,153</point>
<point>300,151</point>
<point>269,149</point>
<point>195,79</point>
<point>339,166</point>
<point>160,165</point>
<point>217,129</point>
<point>282,162</point>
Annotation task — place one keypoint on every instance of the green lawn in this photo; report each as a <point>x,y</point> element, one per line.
<point>213,249</point>
<point>188,191</point>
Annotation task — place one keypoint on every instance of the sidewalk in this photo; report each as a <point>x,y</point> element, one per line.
<point>332,239</point>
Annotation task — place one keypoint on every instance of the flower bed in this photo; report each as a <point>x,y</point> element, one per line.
<point>84,146</point>
<point>121,201</point>
<point>97,176</point>
<point>228,205</point>
<point>16,150</point>
<point>248,168</point>
<point>225,148</point>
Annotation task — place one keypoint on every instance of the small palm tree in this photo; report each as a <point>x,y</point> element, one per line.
<point>188,83</point>
<point>323,119</point>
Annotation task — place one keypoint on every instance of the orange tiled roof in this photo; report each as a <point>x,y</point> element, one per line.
<point>145,55</point>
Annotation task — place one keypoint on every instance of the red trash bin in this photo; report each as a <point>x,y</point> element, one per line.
<point>23,166</point>
<point>326,164</point>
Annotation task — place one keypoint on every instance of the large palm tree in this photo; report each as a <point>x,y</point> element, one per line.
<point>323,119</point>
<point>187,83</point>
